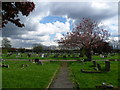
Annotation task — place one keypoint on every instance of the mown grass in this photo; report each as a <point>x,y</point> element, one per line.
<point>33,76</point>
<point>90,80</point>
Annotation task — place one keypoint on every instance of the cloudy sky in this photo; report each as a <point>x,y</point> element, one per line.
<point>50,20</point>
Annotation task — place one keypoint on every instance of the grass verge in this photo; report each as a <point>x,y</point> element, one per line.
<point>90,80</point>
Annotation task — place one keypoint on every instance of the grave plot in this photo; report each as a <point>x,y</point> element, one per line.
<point>95,80</point>
<point>97,68</point>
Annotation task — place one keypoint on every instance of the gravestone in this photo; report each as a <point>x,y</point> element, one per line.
<point>29,55</point>
<point>98,66</point>
<point>107,66</point>
<point>9,54</point>
<point>23,65</point>
<point>94,64</point>
<point>42,55</point>
<point>64,56</point>
<point>26,65</point>
<point>87,60</point>
<point>7,66</point>
<point>68,55</point>
<point>36,60</point>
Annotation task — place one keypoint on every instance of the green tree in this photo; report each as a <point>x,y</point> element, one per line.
<point>6,43</point>
<point>37,48</point>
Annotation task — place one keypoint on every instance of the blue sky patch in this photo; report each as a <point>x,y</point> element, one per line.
<point>51,19</point>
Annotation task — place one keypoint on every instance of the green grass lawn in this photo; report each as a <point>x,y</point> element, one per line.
<point>33,76</point>
<point>90,80</point>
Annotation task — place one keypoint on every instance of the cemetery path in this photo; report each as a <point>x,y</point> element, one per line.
<point>62,79</point>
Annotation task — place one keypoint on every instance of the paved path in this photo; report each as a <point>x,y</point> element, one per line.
<point>62,79</point>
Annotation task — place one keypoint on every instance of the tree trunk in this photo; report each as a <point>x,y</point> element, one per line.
<point>89,54</point>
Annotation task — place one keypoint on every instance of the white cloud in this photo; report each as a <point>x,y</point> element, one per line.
<point>36,32</point>
<point>112,25</point>
<point>98,5</point>
<point>58,36</point>
<point>42,33</point>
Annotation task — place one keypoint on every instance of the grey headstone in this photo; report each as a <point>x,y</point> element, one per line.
<point>107,66</point>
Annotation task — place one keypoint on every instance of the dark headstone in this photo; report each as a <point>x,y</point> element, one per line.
<point>26,65</point>
<point>107,66</point>
<point>36,60</point>
<point>29,55</point>
<point>69,55</point>
<point>94,64</point>
<point>98,66</point>
<point>7,66</point>
<point>64,56</point>
<point>105,56</point>
<point>87,60</point>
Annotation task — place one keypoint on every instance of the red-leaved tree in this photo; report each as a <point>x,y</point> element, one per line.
<point>10,11</point>
<point>87,34</point>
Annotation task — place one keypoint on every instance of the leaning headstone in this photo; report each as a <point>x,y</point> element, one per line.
<point>107,66</point>
<point>98,66</point>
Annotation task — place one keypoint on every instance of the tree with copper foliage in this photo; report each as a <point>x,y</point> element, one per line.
<point>11,10</point>
<point>103,47</point>
<point>87,34</point>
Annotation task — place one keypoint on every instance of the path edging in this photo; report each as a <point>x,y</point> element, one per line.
<point>53,77</point>
<point>76,83</point>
